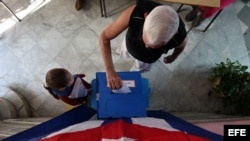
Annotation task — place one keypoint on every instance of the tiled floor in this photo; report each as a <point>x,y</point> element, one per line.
<point>243,9</point>
<point>53,34</point>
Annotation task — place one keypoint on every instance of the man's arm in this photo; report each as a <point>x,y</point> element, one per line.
<point>112,31</point>
<point>177,51</point>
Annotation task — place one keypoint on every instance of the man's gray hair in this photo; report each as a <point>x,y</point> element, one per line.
<point>160,25</point>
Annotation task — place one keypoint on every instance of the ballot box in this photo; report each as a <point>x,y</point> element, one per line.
<point>129,101</point>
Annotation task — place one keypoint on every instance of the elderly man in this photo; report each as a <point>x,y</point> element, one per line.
<point>152,30</point>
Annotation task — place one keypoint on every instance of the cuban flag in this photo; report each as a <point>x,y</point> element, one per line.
<point>78,124</point>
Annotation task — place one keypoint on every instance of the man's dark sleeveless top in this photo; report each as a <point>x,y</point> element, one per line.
<point>134,42</point>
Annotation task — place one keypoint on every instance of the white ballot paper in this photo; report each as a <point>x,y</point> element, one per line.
<point>124,89</point>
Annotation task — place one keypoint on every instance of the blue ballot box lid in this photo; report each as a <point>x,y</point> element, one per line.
<point>125,104</point>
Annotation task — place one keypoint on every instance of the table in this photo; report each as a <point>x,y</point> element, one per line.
<point>209,3</point>
<point>103,8</point>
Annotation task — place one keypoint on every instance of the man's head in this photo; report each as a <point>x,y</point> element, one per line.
<point>160,26</point>
<point>59,78</point>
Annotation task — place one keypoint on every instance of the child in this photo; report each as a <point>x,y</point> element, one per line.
<point>71,89</point>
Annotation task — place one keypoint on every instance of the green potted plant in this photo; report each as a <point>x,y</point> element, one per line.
<point>231,82</point>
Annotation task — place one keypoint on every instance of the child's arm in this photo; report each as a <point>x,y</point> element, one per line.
<point>50,92</point>
<point>85,83</point>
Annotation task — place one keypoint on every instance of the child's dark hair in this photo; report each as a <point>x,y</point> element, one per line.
<point>55,79</point>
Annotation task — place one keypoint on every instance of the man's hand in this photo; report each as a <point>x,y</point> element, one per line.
<point>113,80</point>
<point>177,51</point>
<point>169,59</point>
